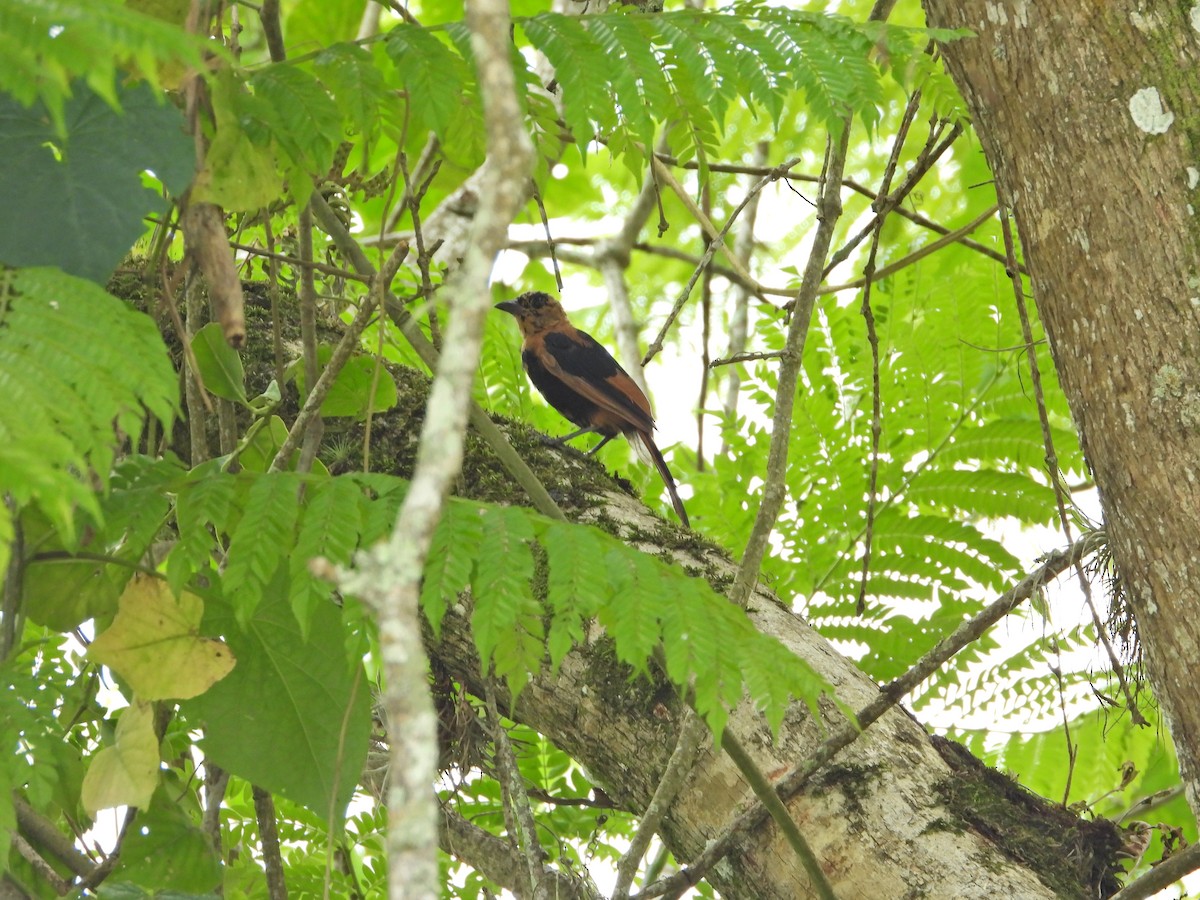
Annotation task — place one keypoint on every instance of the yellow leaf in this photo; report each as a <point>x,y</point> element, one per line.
<point>127,773</point>
<point>154,643</point>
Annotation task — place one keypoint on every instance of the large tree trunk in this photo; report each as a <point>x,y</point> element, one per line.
<point>890,817</point>
<point>1087,115</point>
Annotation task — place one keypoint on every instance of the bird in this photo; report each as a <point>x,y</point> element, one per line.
<point>583,382</point>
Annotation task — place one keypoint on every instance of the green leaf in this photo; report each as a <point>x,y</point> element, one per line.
<point>73,361</point>
<point>329,528</point>
<point>450,562</point>
<point>86,184</point>
<point>239,173</point>
<point>506,620</point>
<point>433,76</point>
<point>350,393</point>
<point>45,46</point>
<point>278,719</point>
<point>220,365</point>
<point>261,538</point>
<point>301,116</point>
<point>356,84</point>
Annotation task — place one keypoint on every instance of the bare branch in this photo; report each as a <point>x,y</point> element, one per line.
<point>1163,875</point>
<point>687,750</point>
<point>389,576</point>
<point>341,353</point>
<point>518,813</point>
<point>829,210</point>
<point>498,860</point>
<point>268,836</point>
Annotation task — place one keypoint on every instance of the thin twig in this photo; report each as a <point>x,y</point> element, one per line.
<point>665,176</point>
<point>868,314</point>
<point>216,781</point>
<point>775,807</point>
<point>33,825</point>
<point>1072,749</point>
<point>1053,470</point>
<point>268,13</point>
<point>541,207</point>
<point>687,749</point>
<point>917,255</point>
<point>415,193</point>
<point>273,295</point>
<point>912,215</point>
<point>717,239</point>
<point>268,842</point>
<point>739,319</point>
<point>747,357</point>
<point>341,353</point>
<point>924,163</point>
<point>518,815</point>
<point>39,865</point>
<point>829,210</point>
<point>313,426</point>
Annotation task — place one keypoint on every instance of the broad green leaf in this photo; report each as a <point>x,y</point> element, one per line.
<point>86,184</point>
<point>126,773</point>
<point>154,643</point>
<point>45,46</point>
<point>220,365</point>
<point>277,720</point>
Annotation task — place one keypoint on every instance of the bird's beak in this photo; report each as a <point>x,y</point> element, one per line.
<point>510,307</point>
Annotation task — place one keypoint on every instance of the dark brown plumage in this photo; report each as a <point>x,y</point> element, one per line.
<point>581,380</point>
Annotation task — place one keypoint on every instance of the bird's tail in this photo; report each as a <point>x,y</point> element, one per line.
<point>643,445</point>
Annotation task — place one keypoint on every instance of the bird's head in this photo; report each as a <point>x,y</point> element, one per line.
<point>534,311</point>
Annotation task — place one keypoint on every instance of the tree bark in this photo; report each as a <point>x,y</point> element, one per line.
<point>888,818</point>
<point>1087,116</point>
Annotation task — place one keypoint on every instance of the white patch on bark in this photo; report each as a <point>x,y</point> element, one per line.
<point>996,14</point>
<point>1130,421</point>
<point>1080,237</point>
<point>1144,23</point>
<point>1021,13</point>
<point>1149,114</point>
<point>1193,175</point>
<point>1194,13</point>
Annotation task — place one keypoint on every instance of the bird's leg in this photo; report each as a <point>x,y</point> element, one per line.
<point>594,450</point>
<point>559,441</point>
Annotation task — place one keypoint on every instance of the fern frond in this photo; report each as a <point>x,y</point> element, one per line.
<point>46,44</point>
<point>434,77</point>
<point>261,538</point>
<point>329,528</point>
<point>507,619</point>
<point>73,360</point>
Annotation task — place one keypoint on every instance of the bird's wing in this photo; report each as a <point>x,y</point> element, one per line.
<point>584,366</point>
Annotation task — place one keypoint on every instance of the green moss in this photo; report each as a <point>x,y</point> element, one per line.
<point>1072,856</point>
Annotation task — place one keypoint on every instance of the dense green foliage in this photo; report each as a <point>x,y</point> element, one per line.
<point>98,498</point>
